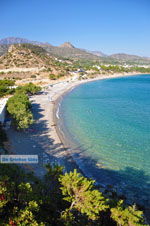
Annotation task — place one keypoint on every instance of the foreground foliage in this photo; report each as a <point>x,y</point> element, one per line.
<point>79,191</point>
<point>126,216</point>
<point>58,199</point>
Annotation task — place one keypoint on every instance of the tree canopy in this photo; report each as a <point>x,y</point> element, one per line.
<point>18,107</point>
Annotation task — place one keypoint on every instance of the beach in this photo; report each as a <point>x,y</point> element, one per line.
<point>44,137</point>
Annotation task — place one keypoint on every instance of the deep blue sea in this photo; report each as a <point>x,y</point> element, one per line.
<point>108,122</point>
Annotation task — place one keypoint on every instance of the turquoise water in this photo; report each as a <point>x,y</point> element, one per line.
<point>109,121</point>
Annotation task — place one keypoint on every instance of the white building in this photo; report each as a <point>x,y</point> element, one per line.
<point>3,102</point>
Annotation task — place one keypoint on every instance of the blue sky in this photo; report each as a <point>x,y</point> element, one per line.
<point>110,26</point>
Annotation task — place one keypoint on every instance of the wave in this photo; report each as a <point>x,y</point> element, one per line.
<point>58,111</point>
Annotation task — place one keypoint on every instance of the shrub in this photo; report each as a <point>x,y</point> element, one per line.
<point>5,87</point>
<point>80,192</point>
<point>53,77</point>
<point>18,107</point>
<point>33,76</point>
<point>29,88</point>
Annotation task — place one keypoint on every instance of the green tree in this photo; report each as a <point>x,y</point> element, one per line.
<point>25,217</point>
<point>19,108</point>
<point>5,87</point>
<point>127,216</point>
<point>29,88</point>
<point>80,192</point>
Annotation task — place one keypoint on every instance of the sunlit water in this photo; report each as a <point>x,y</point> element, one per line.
<point>109,120</point>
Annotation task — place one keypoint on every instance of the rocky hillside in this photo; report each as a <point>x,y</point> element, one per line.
<point>96,53</point>
<point>3,49</point>
<point>28,62</point>
<point>67,50</point>
<point>24,56</point>
<point>66,45</point>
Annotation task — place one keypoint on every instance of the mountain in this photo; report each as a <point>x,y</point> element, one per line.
<point>67,50</point>
<point>97,53</point>
<point>130,58</point>
<point>14,40</point>
<point>66,45</point>
<point>123,56</point>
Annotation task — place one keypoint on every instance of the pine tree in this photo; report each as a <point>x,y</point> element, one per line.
<point>127,216</point>
<point>80,192</point>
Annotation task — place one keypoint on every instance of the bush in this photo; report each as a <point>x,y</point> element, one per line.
<point>29,88</point>
<point>33,76</point>
<point>18,107</point>
<point>53,77</point>
<point>7,82</point>
<point>5,85</point>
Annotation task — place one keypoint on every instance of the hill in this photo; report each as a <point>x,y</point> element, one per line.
<point>97,53</point>
<point>70,52</point>
<point>130,58</point>
<point>28,62</point>
<point>23,56</point>
<point>67,50</point>
<point>66,45</point>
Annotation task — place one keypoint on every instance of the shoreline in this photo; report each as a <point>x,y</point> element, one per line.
<point>58,136</point>
<point>72,162</point>
<point>45,139</point>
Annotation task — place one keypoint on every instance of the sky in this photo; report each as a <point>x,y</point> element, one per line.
<point>110,26</point>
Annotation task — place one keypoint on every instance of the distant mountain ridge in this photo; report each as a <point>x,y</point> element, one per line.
<point>67,50</point>
<point>98,53</point>
<point>124,56</point>
<point>15,40</point>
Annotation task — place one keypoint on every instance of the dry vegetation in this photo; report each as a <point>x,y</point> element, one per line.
<point>27,62</point>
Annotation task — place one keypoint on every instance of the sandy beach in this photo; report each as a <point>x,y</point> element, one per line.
<point>44,137</point>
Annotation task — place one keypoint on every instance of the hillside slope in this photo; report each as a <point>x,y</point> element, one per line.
<point>130,58</point>
<point>67,50</point>
<point>3,49</point>
<point>24,55</point>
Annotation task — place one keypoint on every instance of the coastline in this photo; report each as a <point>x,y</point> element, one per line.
<point>71,162</point>
<point>46,140</point>
<point>57,135</point>
<point>44,137</point>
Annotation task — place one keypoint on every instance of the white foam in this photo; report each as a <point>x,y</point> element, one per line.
<point>58,111</point>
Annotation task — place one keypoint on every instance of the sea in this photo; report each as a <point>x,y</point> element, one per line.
<point>106,125</point>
